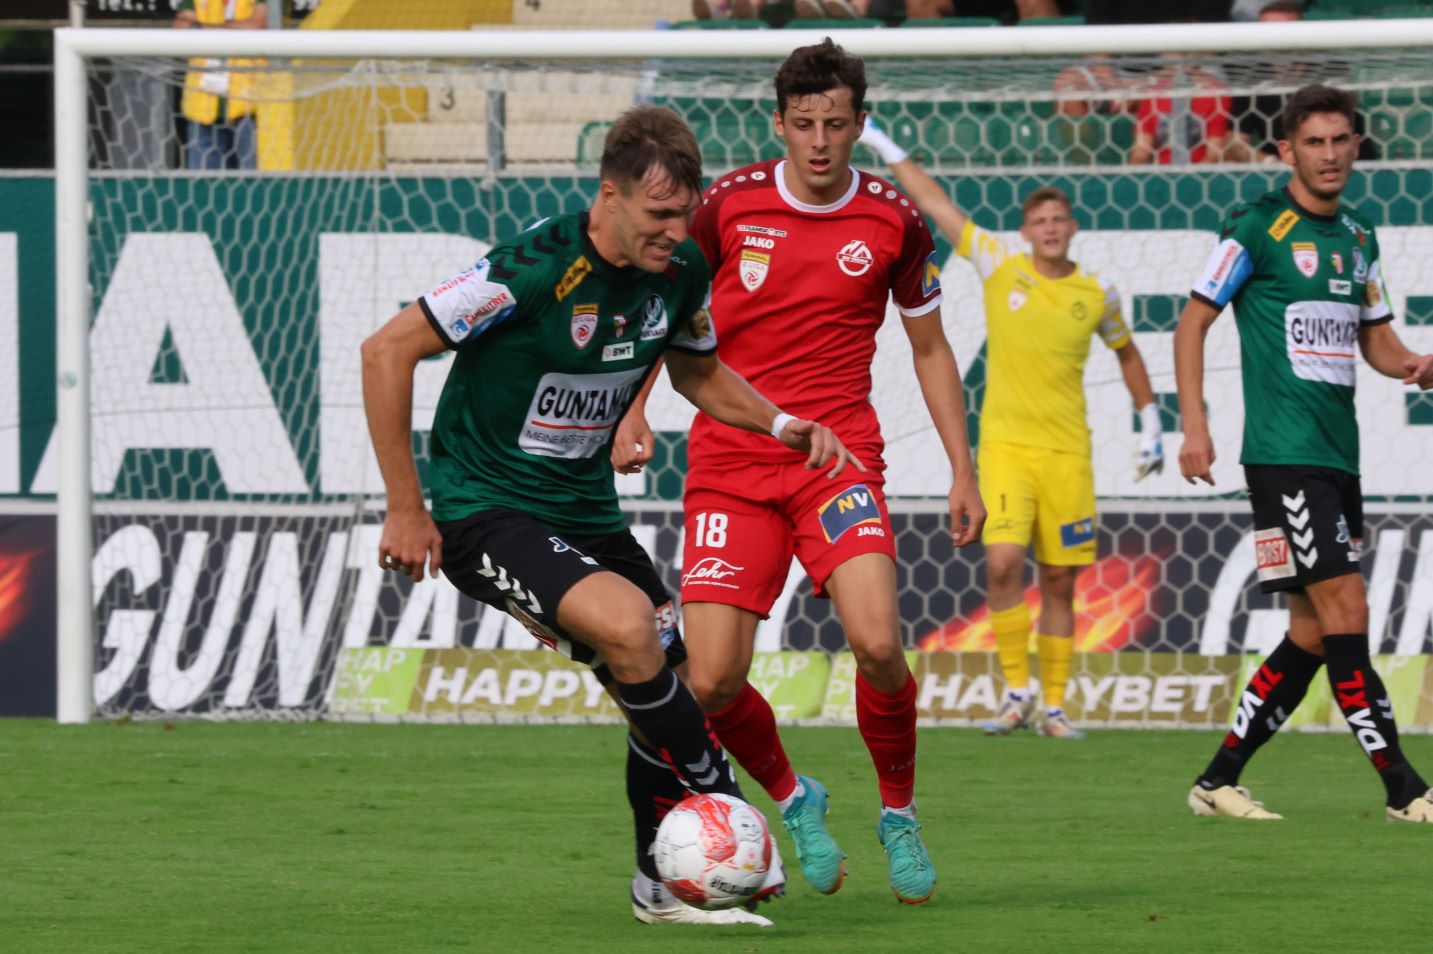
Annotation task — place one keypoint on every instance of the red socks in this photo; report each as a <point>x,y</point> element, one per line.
<point>747,730</point>
<point>888,725</point>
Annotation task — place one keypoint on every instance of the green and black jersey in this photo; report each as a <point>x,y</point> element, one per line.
<point>1302,286</point>
<point>552,344</point>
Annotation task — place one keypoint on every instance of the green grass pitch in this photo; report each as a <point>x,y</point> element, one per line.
<point>364,838</point>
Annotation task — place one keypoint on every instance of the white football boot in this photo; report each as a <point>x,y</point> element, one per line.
<point>1418,810</point>
<point>1230,801</point>
<point>652,903</point>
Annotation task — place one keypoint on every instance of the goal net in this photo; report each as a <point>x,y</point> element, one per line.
<point>233,503</point>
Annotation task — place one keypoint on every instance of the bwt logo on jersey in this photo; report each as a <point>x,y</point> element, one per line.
<point>853,507</point>
<point>571,414</point>
<point>855,258</point>
<point>710,571</point>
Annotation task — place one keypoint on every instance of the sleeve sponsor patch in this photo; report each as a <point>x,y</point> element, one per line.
<point>853,507</point>
<point>1226,271</point>
<point>930,276</point>
<point>697,333</point>
<point>1271,554</point>
<point>468,304</point>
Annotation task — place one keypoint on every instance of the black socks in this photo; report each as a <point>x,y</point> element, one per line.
<point>1361,697</point>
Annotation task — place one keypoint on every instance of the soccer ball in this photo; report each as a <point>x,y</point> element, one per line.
<point>713,851</point>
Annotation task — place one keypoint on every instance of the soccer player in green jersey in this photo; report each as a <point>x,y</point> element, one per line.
<point>555,331</point>
<point>1305,279</point>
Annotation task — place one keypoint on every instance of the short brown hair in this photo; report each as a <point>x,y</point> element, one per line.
<point>1046,194</point>
<point>1303,103</point>
<point>816,69</point>
<point>645,137</point>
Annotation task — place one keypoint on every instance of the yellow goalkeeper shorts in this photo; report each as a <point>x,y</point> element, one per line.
<point>1041,497</point>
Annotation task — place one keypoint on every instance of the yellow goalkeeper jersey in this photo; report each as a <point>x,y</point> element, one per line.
<point>1038,334</point>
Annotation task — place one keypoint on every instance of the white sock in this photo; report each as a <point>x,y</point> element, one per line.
<point>782,804</point>
<point>1021,696</point>
<point>1054,712</point>
<point>651,892</point>
<point>908,812</point>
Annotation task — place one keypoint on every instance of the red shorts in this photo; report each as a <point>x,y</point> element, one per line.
<point>745,522</point>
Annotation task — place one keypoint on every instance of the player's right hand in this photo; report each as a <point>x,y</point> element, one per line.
<point>1196,457</point>
<point>821,444</point>
<point>410,543</point>
<point>632,443</point>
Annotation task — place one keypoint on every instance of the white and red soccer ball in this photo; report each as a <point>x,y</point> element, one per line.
<point>713,851</point>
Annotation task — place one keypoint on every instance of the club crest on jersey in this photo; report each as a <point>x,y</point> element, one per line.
<point>1337,260</point>
<point>584,323</point>
<point>654,318</point>
<point>855,258</point>
<point>752,268</point>
<point>853,507</point>
<point>1360,266</point>
<point>1306,258</point>
<point>1016,300</point>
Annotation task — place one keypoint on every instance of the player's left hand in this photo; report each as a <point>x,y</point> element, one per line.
<point>1150,459</point>
<point>1420,371</point>
<point>967,511</point>
<point>821,444</point>
<point>632,444</point>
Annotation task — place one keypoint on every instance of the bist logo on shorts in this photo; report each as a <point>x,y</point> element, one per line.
<point>1271,555</point>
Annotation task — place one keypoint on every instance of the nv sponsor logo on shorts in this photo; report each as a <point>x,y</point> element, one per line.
<point>1271,555</point>
<point>1077,533</point>
<point>712,571</point>
<point>853,507</point>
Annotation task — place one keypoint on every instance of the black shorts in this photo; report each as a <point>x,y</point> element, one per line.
<point>512,561</point>
<point>1308,524</point>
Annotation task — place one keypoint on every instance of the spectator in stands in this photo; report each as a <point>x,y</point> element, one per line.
<point>1166,11</point>
<point>218,96</point>
<point>1258,119</point>
<point>1173,126</point>
<point>1006,11</point>
<point>1254,9</point>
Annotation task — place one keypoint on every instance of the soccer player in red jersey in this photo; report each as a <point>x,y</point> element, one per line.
<point>805,251</point>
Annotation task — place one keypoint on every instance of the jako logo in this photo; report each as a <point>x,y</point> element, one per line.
<point>710,570</point>
<point>758,241</point>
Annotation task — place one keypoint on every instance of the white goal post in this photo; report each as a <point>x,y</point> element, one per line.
<point>78,50</point>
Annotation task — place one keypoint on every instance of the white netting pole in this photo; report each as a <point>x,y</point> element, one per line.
<point>73,544</point>
<point>704,44</point>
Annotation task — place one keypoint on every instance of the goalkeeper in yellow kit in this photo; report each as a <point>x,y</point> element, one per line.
<point>1036,477</point>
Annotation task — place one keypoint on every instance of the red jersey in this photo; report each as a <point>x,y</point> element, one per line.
<point>1207,118</point>
<point>798,292</point>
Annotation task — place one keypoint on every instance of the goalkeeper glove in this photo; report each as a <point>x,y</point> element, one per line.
<point>1151,443</point>
<point>875,138</point>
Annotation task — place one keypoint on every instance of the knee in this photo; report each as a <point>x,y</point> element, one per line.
<point>1057,583</point>
<point>1004,574</point>
<point>882,662</point>
<point>628,644</point>
<point>716,689</point>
